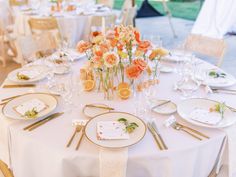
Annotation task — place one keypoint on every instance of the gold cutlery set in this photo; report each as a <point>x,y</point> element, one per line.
<point>156,135</point>
<point>5,100</point>
<point>101,107</point>
<point>221,90</point>
<point>43,121</point>
<point>194,133</point>
<point>79,128</point>
<point>19,86</point>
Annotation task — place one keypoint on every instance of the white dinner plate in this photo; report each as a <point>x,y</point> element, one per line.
<point>135,137</point>
<point>76,55</point>
<point>228,81</point>
<point>41,71</point>
<point>9,111</point>
<point>186,107</point>
<point>93,111</point>
<point>168,108</point>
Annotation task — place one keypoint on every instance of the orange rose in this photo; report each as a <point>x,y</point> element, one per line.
<point>153,55</point>
<point>144,45</point>
<point>83,46</point>
<point>140,63</point>
<point>137,36</point>
<point>96,33</point>
<point>133,72</point>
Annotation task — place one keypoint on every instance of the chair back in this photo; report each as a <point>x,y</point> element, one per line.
<point>102,23</point>
<point>129,16</point>
<point>18,2</point>
<point>45,25</point>
<point>206,46</point>
<point>108,3</point>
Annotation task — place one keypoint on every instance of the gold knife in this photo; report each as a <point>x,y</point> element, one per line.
<point>42,121</point>
<point>161,104</point>
<point>81,137</point>
<point>19,86</point>
<point>12,97</point>
<point>102,107</point>
<point>154,136</point>
<point>153,124</point>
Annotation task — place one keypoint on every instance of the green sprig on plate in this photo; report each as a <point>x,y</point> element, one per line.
<point>129,127</point>
<point>216,74</point>
<point>220,108</point>
<point>22,77</point>
<point>31,113</point>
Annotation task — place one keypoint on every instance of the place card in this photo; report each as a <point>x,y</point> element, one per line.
<point>35,104</point>
<point>111,130</point>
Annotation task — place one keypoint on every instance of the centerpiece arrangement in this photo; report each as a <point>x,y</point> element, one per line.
<point>119,61</point>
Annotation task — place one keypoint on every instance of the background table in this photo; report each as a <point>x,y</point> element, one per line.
<point>42,152</point>
<point>216,18</point>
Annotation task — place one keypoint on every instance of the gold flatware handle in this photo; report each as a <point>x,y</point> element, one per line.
<point>19,86</point>
<point>38,123</point>
<point>155,138</point>
<point>162,142</point>
<point>195,131</point>
<point>161,104</point>
<point>102,107</point>
<point>71,139</point>
<point>10,98</point>
<point>79,142</point>
<point>193,135</point>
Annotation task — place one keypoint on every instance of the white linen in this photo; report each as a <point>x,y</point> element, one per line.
<point>216,18</point>
<point>42,152</point>
<point>113,162</point>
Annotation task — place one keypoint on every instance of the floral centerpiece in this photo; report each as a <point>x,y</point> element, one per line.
<point>117,60</point>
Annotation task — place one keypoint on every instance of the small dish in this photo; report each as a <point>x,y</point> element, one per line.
<point>91,112</point>
<point>168,108</point>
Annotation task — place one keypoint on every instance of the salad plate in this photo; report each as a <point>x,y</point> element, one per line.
<point>28,74</point>
<point>206,113</point>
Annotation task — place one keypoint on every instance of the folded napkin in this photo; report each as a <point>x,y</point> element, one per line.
<point>113,162</point>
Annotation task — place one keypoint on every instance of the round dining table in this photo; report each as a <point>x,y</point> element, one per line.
<point>43,152</point>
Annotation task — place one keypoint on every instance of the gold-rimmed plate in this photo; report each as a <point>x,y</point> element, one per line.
<point>37,72</point>
<point>134,137</point>
<point>191,111</point>
<point>9,110</point>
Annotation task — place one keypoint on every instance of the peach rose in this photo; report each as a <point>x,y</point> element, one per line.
<point>133,72</point>
<point>110,59</point>
<point>140,63</point>
<point>144,45</point>
<point>83,46</point>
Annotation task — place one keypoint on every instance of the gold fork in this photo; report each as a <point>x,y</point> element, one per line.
<point>81,137</point>
<point>77,130</point>
<point>179,128</point>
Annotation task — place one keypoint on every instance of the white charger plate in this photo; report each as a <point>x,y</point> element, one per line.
<point>185,107</point>
<point>135,137</point>
<point>228,81</point>
<point>9,111</point>
<point>43,71</point>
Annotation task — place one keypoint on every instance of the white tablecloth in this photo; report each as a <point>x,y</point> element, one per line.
<point>216,18</point>
<point>42,152</point>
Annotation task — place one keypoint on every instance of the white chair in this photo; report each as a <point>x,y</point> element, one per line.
<point>45,25</point>
<point>31,47</point>
<point>206,46</point>
<point>128,16</point>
